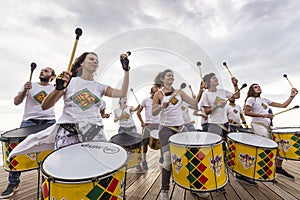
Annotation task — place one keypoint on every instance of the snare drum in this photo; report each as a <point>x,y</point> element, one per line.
<point>91,170</point>
<point>197,161</point>
<point>154,140</point>
<point>251,155</point>
<point>23,162</point>
<point>288,140</point>
<point>132,143</point>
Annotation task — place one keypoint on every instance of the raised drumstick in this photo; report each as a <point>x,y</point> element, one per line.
<point>191,90</point>
<point>243,86</point>
<point>32,68</point>
<point>182,86</point>
<point>199,67</point>
<point>134,96</point>
<point>285,76</point>
<point>287,110</point>
<point>225,64</point>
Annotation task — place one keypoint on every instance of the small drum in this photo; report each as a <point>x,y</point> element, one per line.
<point>90,170</point>
<point>154,140</point>
<point>251,155</point>
<point>23,162</point>
<point>288,140</point>
<point>132,143</point>
<point>198,161</point>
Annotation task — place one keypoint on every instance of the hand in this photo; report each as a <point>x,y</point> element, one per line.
<point>202,85</point>
<point>165,105</point>
<point>294,92</point>
<point>61,79</point>
<point>125,62</point>
<point>105,115</point>
<point>27,86</point>
<point>270,116</point>
<point>143,125</point>
<point>234,81</point>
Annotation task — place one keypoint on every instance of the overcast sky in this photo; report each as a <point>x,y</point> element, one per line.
<point>259,40</point>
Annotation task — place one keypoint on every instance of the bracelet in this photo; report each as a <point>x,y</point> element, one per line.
<point>244,123</point>
<point>292,96</point>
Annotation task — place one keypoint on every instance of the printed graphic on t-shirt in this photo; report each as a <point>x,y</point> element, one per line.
<point>182,108</point>
<point>39,97</point>
<point>85,99</point>
<point>235,111</point>
<point>174,100</point>
<point>264,105</point>
<point>218,100</point>
<point>125,116</point>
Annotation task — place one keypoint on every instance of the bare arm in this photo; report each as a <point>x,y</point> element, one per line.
<point>192,102</point>
<point>236,88</point>
<point>111,92</point>
<point>138,113</point>
<point>21,95</point>
<point>248,112</point>
<point>51,99</point>
<point>294,92</point>
<point>156,107</point>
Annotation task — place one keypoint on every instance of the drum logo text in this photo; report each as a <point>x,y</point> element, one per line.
<point>284,144</point>
<point>106,149</point>
<point>216,164</point>
<point>246,160</point>
<point>177,162</point>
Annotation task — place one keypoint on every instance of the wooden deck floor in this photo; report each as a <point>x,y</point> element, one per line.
<point>147,186</point>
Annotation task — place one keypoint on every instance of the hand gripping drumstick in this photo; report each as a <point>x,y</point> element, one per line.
<point>286,110</point>
<point>78,33</point>
<point>193,94</point>
<point>285,76</point>
<point>182,86</point>
<point>243,86</point>
<point>225,64</point>
<point>199,67</point>
<point>134,96</point>
<point>32,66</point>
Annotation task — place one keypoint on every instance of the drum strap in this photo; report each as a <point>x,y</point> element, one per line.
<point>178,130</point>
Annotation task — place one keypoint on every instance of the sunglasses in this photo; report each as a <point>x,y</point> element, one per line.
<point>256,86</point>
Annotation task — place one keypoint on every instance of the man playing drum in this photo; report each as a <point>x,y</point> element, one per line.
<point>258,108</point>
<point>235,116</point>
<point>33,114</point>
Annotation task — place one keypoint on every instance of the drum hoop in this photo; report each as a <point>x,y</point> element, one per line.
<point>197,145</point>
<point>253,145</point>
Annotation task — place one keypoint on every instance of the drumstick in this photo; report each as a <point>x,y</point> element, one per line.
<point>134,96</point>
<point>193,94</point>
<point>225,64</point>
<point>285,76</point>
<point>243,86</point>
<point>78,33</point>
<point>287,110</point>
<point>199,67</point>
<point>32,67</point>
<point>182,86</point>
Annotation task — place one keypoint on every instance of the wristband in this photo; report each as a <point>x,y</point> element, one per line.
<point>244,123</point>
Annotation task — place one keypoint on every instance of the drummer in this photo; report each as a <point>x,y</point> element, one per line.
<point>151,123</point>
<point>34,93</point>
<point>171,122</point>
<point>258,108</point>
<point>235,116</point>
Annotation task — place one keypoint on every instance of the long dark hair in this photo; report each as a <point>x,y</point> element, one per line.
<point>76,67</point>
<point>159,77</point>
<point>251,92</point>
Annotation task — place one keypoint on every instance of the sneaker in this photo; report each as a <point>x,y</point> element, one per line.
<point>11,188</point>
<point>145,165</point>
<point>281,171</point>
<point>140,169</point>
<point>221,190</point>
<point>164,195</point>
<point>246,180</point>
<point>202,195</point>
<point>161,160</point>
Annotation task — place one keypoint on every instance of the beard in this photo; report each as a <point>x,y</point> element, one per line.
<point>45,79</point>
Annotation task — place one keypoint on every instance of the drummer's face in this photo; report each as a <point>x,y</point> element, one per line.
<point>214,81</point>
<point>169,78</point>
<point>256,89</point>
<point>90,63</point>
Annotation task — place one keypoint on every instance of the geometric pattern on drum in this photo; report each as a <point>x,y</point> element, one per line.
<point>230,153</point>
<point>104,189</point>
<point>196,168</point>
<point>265,162</point>
<point>296,139</point>
<point>12,163</point>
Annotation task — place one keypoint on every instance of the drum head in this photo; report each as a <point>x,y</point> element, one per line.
<point>125,140</point>
<point>287,130</point>
<point>195,138</point>
<point>252,140</point>
<point>154,134</point>
<point>24,132</point>
<point>84,161</point>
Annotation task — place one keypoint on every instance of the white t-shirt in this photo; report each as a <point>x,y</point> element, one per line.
<point>171,115</point>
<point>82,102</point>
<point>209,99</point>
<point>185,112</point>
<point>103,105</point>
<point>36,95</point>
<point>126,117</point>
<point>259,106</point>
<point>234,113</point>
<point>150,119</point>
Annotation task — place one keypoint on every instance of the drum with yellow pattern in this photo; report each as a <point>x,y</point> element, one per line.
<point>288,140</point>
<point>198,161</point>
<point>22,162</point>
<point>251,155</point>
<point>91,170</point>
<point>154,142</point>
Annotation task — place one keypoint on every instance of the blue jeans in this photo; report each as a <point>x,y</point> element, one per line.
<point>14,177</point>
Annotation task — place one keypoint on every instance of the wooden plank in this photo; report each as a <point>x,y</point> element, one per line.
<point>177,193</point>
<point>154,190</point>
<point>281,192</point>
<point>238,188</point>
<point>269,193</point>
<point>231,194</point>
